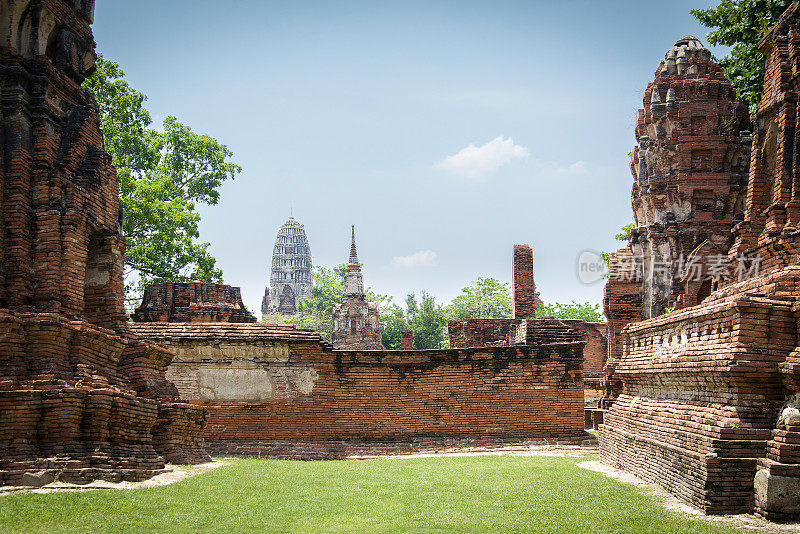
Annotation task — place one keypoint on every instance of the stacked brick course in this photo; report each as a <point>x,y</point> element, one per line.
<point>708,405</point>
<point>71,400</point>
<point>407,340</point>
<point>526,299</point>
<point>192,302</point>
<point>474,333</point>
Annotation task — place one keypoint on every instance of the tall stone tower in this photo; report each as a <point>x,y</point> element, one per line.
<point>690,176</point>
<point>356,321</point>
<point>290,277</point>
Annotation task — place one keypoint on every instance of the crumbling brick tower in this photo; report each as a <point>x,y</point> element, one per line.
<point>78,395</point>
<point>709,395</point>
<point>689,187</point>
<point>690,175</point>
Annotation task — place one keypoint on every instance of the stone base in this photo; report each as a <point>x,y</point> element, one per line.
<point>83,434</point>
<point>69,408</point>
<point>777,498</point>
<point>711,473</point>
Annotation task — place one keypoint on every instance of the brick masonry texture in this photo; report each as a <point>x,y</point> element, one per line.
<point>474,333</point>
<point>79,395</point>
<point>690,175</point>
<point>192,302</point>
<point>406,340</point>
<point>268,389</point>
<point>703,400</point>
<point>525,296</point>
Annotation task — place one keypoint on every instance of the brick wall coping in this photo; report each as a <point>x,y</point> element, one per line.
<point>705,310</point>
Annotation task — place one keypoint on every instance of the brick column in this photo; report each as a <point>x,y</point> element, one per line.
<point>524,287</point>
<point>407,340</point>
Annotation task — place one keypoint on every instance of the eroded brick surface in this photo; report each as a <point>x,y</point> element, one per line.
<point>706,403</point>
<point>192,302</point>
<point>78,394</point>
<point>356,322</point>
<point>269,389</point>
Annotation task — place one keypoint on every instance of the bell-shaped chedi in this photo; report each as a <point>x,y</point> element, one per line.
<point>80,398</point>
<point>690,176</point>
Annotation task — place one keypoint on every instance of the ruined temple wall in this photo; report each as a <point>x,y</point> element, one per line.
<point>264,390</point>
<point>701,391</point>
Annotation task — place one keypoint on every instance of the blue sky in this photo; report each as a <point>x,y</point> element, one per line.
<point>445,131</point>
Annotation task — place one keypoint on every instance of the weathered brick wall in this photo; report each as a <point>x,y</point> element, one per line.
<point>192,302</point>
<point>263,387</point>
<point>595,353</point>
<point>701,389</point>
<point>481,332</point>
<point>690,174</point>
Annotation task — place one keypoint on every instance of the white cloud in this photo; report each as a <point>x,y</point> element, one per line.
<point>574,169</point>
<point>421,258</point>
<point>478,162</point>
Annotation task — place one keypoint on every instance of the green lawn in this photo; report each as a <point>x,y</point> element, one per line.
<point>446,494</point>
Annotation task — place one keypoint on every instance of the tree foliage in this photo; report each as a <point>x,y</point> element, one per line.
<point>586,311</point>
<point>740,24</point>
<point>163,175</point>
<point>487,298</point>
<point>428,320</point>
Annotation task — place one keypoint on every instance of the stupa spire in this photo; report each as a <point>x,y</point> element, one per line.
<point>353,254</point>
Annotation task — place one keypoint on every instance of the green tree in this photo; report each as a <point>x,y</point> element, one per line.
<point>393,322</point>
<point>163,175</point>
<point>428,320</point>
<point>624,235</point>
<point>586,311</point>
<point>740,24</point>
<point>486,298</point>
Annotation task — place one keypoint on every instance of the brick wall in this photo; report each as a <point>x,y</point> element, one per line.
<point>266,388</point>
<point>79,397</point>
<point>700,393</point>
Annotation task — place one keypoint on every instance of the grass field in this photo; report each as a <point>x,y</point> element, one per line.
<point>447,494</point>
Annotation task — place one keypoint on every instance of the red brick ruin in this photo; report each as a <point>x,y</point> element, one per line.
<point>80,397</point>
<point>356,322</point>
<point>704,400</point>
<point>276,390</point>
<point>697,367</point>
<point>192,302</point>
<point>474,333</point>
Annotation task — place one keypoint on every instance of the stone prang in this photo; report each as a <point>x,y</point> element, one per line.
<point>290,278</point>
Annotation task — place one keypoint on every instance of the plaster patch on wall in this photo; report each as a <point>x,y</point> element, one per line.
<point>245,380</point>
